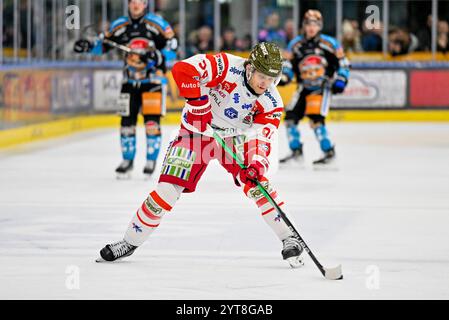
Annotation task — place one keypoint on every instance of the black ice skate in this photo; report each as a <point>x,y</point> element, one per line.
<point>326,160</point>
<point>295,156</point>
<point>124,169</point>
<point>116,251</point>
<point>149,167</point>
<point>292,252</point>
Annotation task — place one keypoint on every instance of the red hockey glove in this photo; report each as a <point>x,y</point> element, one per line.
<point>199,113</point>
<point>252,174</point>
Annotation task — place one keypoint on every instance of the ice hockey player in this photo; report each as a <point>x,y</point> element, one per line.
<point>144,87</point>
<point>321,68</point>
<point>238,99</point>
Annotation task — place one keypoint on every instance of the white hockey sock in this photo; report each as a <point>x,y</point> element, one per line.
<point>149,215</point>
<point>269,213</point>
<point>274,220</point>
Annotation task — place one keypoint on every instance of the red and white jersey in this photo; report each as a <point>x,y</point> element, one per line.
<point>235,109</point>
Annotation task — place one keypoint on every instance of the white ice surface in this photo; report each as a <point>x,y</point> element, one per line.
<point>386,209</point>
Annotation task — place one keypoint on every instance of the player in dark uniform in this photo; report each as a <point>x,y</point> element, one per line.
<point>146,36</point>
<point>321,68</point>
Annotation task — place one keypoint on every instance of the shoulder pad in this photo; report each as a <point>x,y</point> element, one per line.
<point>334,44</point>
<point>161,25</point>
<point>122,21</point>
<point>294,41</point>
<point>233,59</point>
<point>157,20</point>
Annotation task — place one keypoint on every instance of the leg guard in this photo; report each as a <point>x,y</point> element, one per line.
<point>293,135</point>
<point>322,136</point>
<point>269,213</point>
<point>149,215</point>
<point>153,134</point>
<point>128,142</point>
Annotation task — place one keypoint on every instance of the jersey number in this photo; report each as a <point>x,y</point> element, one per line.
<point>203,66</point>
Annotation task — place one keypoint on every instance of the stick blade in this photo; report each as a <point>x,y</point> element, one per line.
<point>333,273</point>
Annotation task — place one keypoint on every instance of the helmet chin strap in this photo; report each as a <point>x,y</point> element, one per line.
<point>277,80</point>
<point>249,74</point>
<point>247,77</point>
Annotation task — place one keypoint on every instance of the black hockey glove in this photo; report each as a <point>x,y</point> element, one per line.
<point>82,46</point>
<point>339,85</point>
<point>154,56</point>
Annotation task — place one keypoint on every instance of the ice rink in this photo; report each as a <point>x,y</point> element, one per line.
<point>384,215</point>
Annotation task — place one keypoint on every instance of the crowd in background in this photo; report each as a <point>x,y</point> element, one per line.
<point>355,37</point>
<point>201,40</point>
<point>400,40</point>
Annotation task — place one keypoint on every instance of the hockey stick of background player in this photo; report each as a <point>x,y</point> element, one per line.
<point>122,47</point>
<point>328,273</point>
<point>89,31</point>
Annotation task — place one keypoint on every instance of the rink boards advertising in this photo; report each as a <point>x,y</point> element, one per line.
<point>377,91</point>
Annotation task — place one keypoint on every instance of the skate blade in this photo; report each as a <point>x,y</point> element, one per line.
<point>325,167</point>
<point>295,262</point>
<point>123,176</point>
<point>101,260</point>
<point>292,164</point>
<point>147,176</point>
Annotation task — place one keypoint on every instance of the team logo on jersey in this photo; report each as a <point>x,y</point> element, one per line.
<point>228,86</point>
<point>213,94</point>
<point>231,113</point>
<point>272,99</point>
<point>190,85</point>
<point>137,228</point>
<point>313,67</point>
<point>274,116</point>
<point>220,65</point>
<point>221,93</point>
<point>236,98</point>
<point>236,71</point>
<point>247,106</point>
<point>139,47</point>
<point>248,119</point>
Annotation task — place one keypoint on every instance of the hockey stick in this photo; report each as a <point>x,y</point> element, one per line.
<point>122,47</point>
<point>328,273</point>
<point>88,30</point>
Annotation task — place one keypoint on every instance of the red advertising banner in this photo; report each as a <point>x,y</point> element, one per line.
<point>429,88</point>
